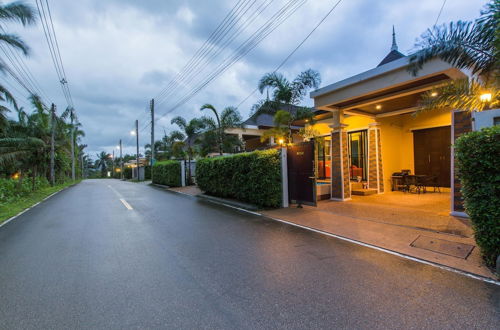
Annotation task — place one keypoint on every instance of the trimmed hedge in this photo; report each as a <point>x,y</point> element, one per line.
<point>147,172</point>
<point>478,161</point>
<point>253,177</point>
<point>167,173</point>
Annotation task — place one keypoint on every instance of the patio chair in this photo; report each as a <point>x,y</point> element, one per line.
<point>432,181</point>
<point>413,183</point>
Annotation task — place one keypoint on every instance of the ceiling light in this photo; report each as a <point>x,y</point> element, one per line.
<point>434,94</point>
<point>378,107</point>
<point>485,97</point>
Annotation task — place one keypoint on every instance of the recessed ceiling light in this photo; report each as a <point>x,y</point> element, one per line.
<point>378,107</point>
<point>434,94</point>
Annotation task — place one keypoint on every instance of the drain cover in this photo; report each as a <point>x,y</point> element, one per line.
<point>442,246</point>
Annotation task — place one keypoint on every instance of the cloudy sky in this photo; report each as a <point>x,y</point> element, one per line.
<point>118,54</point>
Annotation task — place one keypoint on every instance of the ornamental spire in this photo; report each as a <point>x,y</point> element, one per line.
<point>394,44</point>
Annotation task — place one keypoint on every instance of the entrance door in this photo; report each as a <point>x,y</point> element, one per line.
<point>431,150</point>
<point>301,176</point>
<point>357,154</point>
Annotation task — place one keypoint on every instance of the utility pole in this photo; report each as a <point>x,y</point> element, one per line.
<point>72,148</point>
<point>83,166</point>
<point>121,161</point>
<point>113,164</point>
<point>52,144</point>
<point>152,106</point>
<point>137,143</point>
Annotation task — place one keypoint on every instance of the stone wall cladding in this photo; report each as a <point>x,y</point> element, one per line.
<point>380,169</point>
<point>336,167</point>
<point>462,124</point>
<point>345,166</point>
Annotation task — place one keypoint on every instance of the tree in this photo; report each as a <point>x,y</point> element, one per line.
<point>285,93</point>
<point>229,118</point>
<point>283,121</point>
<point>191,130</point>
<point>102,162</point>
<point>20,13</point>
<point>472,46</point>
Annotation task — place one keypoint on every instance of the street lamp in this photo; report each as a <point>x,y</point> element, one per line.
<point>136,133</point>
<point>485,97</point>
<point>121,159</point>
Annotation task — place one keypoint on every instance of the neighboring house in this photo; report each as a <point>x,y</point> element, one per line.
<point>255,126</point>
<point>143,161</point>
<point>369,129</point>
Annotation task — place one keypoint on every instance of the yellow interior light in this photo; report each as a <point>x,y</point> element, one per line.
<point>485,97</point>
<point>434,94</point>
<point>378,107</point>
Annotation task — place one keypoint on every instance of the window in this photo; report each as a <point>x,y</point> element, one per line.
<point>324,157</point>
<point>357,154</point>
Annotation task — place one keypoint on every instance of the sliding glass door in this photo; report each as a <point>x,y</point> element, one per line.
<point>357,154</point>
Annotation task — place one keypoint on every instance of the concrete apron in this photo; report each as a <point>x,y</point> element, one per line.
<point>400,240</point>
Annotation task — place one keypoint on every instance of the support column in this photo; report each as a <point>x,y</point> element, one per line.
<point>375,171</point>
<point>461,123</point>
<point>341,186</point>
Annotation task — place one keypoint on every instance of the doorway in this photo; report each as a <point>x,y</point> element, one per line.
<point>431,151</point>
<point>301,176</point>
<point>357,154</point>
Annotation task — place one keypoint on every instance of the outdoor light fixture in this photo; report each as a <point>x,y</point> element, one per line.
<point>118,147</point>
<point>434,94</point>
<point>132,132</point>
<point>485,97</point>
<point>307,120</point>
<point>281,141</point>
<point>378,107</point>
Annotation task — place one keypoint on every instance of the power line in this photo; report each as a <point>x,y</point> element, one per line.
<point>55,53</point>
<point>296,48</point>
<point>271,24</point>
<point>440,11</point>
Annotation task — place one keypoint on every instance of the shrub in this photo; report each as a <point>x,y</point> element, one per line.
<point>147,172</point>
<point>478,161</point>
<point>127,173</point>
<point>253,177</point>
<point>9,189</point>
<point>167,173</point>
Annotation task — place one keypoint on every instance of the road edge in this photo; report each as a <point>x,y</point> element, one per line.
<point>34,205</point>
<point>371,246</point>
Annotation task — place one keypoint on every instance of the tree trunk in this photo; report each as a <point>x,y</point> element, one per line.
<point>72,151</point>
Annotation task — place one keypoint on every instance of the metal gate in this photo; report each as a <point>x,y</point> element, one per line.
<point>301,176</point>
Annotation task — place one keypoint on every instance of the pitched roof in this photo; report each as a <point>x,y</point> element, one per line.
<point>266,119</point>
<point>394,54</point>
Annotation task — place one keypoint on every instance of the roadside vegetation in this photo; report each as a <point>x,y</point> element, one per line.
<point>40,149</point>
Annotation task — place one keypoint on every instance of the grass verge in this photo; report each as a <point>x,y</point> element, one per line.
<point>12,208</point>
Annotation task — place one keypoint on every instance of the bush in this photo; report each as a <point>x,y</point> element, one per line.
<point>147,172</point>
<point>9,189</point>
<point>253,177</point>
<point>478,161</point>
<point>127,173</point>
<point>167,173</point>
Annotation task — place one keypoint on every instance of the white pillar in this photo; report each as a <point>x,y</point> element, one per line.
<point>284,177</point>
<point>183,173</point>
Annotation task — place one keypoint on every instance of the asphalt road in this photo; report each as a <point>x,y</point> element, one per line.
<point>81,259</point>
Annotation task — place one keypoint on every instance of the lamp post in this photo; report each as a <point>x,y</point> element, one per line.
<point>113,164</point>
<point>119,146</point>
<point>136,133</point>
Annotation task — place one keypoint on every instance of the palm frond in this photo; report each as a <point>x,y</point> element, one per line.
<point>18,11</point>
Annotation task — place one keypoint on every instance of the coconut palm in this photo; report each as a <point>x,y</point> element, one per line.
<point>285,93</point>
<point>20,13</point>
<point>191,130</point>
<point>229,118</point>
<point>102,162</point>
<point>70,112</point>
<point>472,46</point>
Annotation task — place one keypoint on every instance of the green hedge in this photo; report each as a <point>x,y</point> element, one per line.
<point>253,177</point>
<point>167,173</point>
<point>478,161</point>
<point>147,172</point>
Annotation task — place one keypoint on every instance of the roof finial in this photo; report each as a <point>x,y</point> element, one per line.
<point>394,45</point>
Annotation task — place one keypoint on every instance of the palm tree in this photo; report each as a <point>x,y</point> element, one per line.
<point>472,46</point>
<point>12,12</point>
<point>102,162</point>
<point>229,118</point>
<point>285,93</point>
<point>191,130</point>
<point>70,112</point>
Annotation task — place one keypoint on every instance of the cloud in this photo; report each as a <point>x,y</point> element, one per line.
<point>118,54</point>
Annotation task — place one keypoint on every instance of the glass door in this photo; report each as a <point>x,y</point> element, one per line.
<point>357,155</point>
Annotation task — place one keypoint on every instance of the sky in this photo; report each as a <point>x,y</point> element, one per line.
<point>118,54</point>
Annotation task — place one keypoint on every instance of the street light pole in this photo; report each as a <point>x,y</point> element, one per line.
<point>137,144</point>
<point>121,161</point>
<point>113,165</point>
